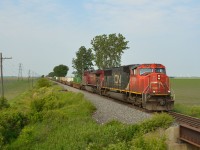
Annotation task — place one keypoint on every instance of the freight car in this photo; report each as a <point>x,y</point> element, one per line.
<point>65,80</point>
<point>144,85</point>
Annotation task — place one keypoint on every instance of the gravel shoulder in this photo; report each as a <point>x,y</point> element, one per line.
<point>108,110</point>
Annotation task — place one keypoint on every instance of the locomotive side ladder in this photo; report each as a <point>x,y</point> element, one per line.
<point>144,95</point>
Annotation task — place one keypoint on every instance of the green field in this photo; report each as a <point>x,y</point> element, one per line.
<point>14,87</point>
<point>187,98</point>
<point>187,91</point>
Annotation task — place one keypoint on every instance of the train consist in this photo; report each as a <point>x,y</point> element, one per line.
<point>143,85</point>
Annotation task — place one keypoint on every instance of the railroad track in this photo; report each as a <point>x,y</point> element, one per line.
<point>189,128</point>
<point>184,119</point>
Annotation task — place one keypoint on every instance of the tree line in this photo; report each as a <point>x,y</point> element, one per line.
<point>106,52</point>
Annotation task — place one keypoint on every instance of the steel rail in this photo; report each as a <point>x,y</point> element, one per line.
<point>184,119</point>
<point>189,128</point>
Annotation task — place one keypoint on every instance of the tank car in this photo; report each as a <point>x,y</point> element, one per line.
<point>144,85</point>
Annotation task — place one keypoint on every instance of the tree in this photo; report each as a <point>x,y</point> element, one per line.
<point>108,50</point>
<point>51,74</point>
<point>60,71</point>
<point>83,60</point>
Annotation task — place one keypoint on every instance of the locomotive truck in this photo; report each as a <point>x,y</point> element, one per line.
<point>143,85</point>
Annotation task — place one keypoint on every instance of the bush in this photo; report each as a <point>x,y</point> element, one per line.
<point>43,82</point>
<point>150,141</point>
<point>44,102</point>
<point>49,101</point>
<point>157,121</point>
<point>116,136</point>
<point>11,124</point>
<point>3,103</point>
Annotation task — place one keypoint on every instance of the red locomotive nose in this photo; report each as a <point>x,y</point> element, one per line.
<point>159,84</point>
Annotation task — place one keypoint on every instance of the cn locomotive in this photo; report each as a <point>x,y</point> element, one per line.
<point>143,85</point>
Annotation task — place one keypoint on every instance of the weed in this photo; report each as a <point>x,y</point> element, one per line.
<point>11,124</point>
<point>154,140</point>
<point>193,111</point>
<point>4,103</point>
<point>43,82</point>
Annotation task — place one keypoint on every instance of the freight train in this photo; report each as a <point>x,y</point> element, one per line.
<point>143,85</point>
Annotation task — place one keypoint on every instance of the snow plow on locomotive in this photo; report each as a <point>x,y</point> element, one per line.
<point>144,85</point>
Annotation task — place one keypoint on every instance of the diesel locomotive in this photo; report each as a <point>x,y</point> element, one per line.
<point>143,85</point>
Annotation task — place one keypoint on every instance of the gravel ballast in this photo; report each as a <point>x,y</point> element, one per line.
<point>108,110</point>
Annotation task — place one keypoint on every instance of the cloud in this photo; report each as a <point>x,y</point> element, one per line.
<point>145,16</point>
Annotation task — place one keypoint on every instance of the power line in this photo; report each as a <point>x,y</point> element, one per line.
<point>2,85</point>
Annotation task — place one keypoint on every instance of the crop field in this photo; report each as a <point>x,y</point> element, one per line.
<point>14,87</point>
<point>187,96</point>
<point>187,91</point>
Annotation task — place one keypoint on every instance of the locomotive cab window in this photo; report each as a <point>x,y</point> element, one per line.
<point>133,72</point>
<point>160,70</point>
<point>145,71</point>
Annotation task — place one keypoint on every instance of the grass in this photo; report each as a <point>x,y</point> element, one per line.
<point>190,110</point>
<point>52,119</point>
<point>186,91</point>
<point>187,98</point>
<point>13,87</point>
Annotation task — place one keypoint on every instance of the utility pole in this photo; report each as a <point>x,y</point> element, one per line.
<point>29,75</point>
<point>2,86</point>
<point>32,77</point>
<point>20,72</point>
<point>29,78</point>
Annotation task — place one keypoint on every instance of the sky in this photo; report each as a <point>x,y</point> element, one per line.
<point>41,34</point>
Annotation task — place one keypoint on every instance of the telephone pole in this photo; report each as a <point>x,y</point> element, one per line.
<point>20,72</point>
<point>2,85</point>
<point>29,74</point>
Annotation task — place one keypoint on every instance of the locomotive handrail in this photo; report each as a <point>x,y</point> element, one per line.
<point>144,94</point>
<point>173,93</point>
<point>145,90</point>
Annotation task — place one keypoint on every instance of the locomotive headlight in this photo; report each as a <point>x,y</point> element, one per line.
<point>158,76</point>
<point>154,91</point>
<point>169,91</point>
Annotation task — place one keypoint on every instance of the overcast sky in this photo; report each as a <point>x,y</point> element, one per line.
<point>41,34</point>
